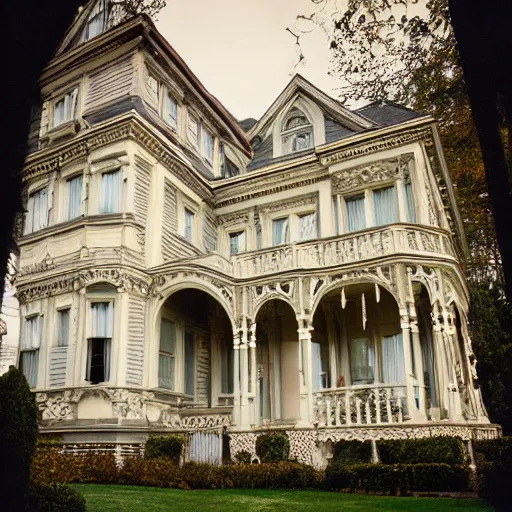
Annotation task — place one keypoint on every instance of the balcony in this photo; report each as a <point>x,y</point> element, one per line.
<point>396,239</point>
<point>375,404</point>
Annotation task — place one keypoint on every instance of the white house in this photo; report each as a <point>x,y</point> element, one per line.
<point>180,271</point>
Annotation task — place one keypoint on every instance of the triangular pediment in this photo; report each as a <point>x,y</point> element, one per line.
<point>300,90</point>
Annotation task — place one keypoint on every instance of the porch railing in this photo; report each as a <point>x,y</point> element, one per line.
<point>376,404</point>
<point>349,248</point>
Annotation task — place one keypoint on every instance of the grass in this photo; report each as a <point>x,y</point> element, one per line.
<point>117,498</point>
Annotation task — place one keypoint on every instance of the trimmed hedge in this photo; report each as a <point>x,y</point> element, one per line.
<point>494,464</point>
<point>442,450</point>
<point>273,447</point>
<point>18,435</point>
<point>164,447</point>
<point>396,479</point>
<point>352,452</point>
<point>54,498</point>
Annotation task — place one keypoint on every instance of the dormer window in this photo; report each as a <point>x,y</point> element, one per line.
<point>64,109</point>
<point>297,132</point>
<point>96,21</point>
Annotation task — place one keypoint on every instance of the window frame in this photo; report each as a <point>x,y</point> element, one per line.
<point>67,203</point>
<point>101,195</point>
<point>95,298</point>
<point>241,247</point>
<point>60,311</point>
<point>289,135</point>
<point>102,12</point>
<point>73,93</point>
<point>31,348</point>
<point>31,211</point>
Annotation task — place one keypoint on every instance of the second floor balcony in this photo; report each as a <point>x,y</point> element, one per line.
<point>366,245</point>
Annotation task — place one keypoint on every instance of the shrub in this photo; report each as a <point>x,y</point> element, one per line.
<point>164,447</point>
<point>273,447</point>
<point>242,457</point>
<point>18,435</point>
<point>398,478</point>
<point>54,498</point>
<point>152,473</point>
<point>352,452</point>
<point>51,466</point>
<point>494,464</point>
<point>446,450</point>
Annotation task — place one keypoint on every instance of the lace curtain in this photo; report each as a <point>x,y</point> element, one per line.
<point>356,218</point>
<point>385,205</point>
<point>75,198</point>
<point>111,192</point>
<point>393,369</point>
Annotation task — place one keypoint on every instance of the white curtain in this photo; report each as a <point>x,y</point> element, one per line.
<point>307,226</point>
<point>362,360</point>
<point>96,20</point>
<point>172,111</point>
<point>320,366</point>
<point>64,109</point>
<point>411,211</point>
<point>236,243</point>
<point>393,369</point>
<point>111,192</point>
<point>102,319</point>
<point>75,198</point>
<point>167,356</point>
<point>29,365</point>
<point>356,217</point>
<point>208,142</point>
<point>280,231</point>
<point>37,211</point>
<point>63,333</point>
<point>386,207</point>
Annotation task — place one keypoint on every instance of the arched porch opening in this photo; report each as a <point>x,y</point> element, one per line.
<point>361,358</point>
<point>195,352</point>
<point>432,373</point>
<point>277,360</point>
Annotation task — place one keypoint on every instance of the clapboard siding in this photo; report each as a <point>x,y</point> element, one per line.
<point>202,369</point>
<point>135,344</point>
<point>58,365</point>
<point>110,83</point>
<point>141,196</point>
<point>209,231</point>
<point>174,247</point>
<point>8,356</point>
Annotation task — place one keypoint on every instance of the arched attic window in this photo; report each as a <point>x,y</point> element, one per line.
<point>296,132</point>
<point>96,21</point>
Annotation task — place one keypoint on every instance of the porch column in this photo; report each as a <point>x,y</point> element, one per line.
<point>441,363</point>
<point>455,412</point>
<point>236,379</point>
<point>418,361</point>
<point>412,410</point>
<point>306,374</point>
<point>244,378</point>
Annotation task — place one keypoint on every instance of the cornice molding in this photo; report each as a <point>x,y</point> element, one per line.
<point>381,144</point>
<point>56,158</point>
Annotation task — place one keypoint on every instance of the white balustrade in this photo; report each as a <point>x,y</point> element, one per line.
<point>344,249</point>
<point>376,404</point>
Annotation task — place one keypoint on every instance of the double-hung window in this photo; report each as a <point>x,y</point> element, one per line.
<point>96,21</point>
<point>171,111</point>
<point>307,226</point>
<point>362,361</point>
<point>236,242</point>
<point>385,206</point>
<point>111,192</point>
<point>64,109</point>
<point>189,225</point>
<point>101,326</point>
<point>75,197</point>
<point>29,352</point>
<point>208,146</point>
<point>167,355</point>
<point>63,327</point>
<point>36,217</point>
<point>356,217</point>
<point>281,231</point>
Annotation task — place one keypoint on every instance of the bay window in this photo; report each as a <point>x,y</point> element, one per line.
<point>99,346</point>
<point>29,350</point>
<point>36,217</point>
<point>111,192</point>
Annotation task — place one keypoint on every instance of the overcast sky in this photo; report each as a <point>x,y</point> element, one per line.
<point>241,51</point>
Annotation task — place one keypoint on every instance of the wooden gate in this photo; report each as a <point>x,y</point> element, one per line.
<point>206,447</point>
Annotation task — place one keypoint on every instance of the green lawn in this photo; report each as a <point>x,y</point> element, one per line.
<point>116,498</point>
